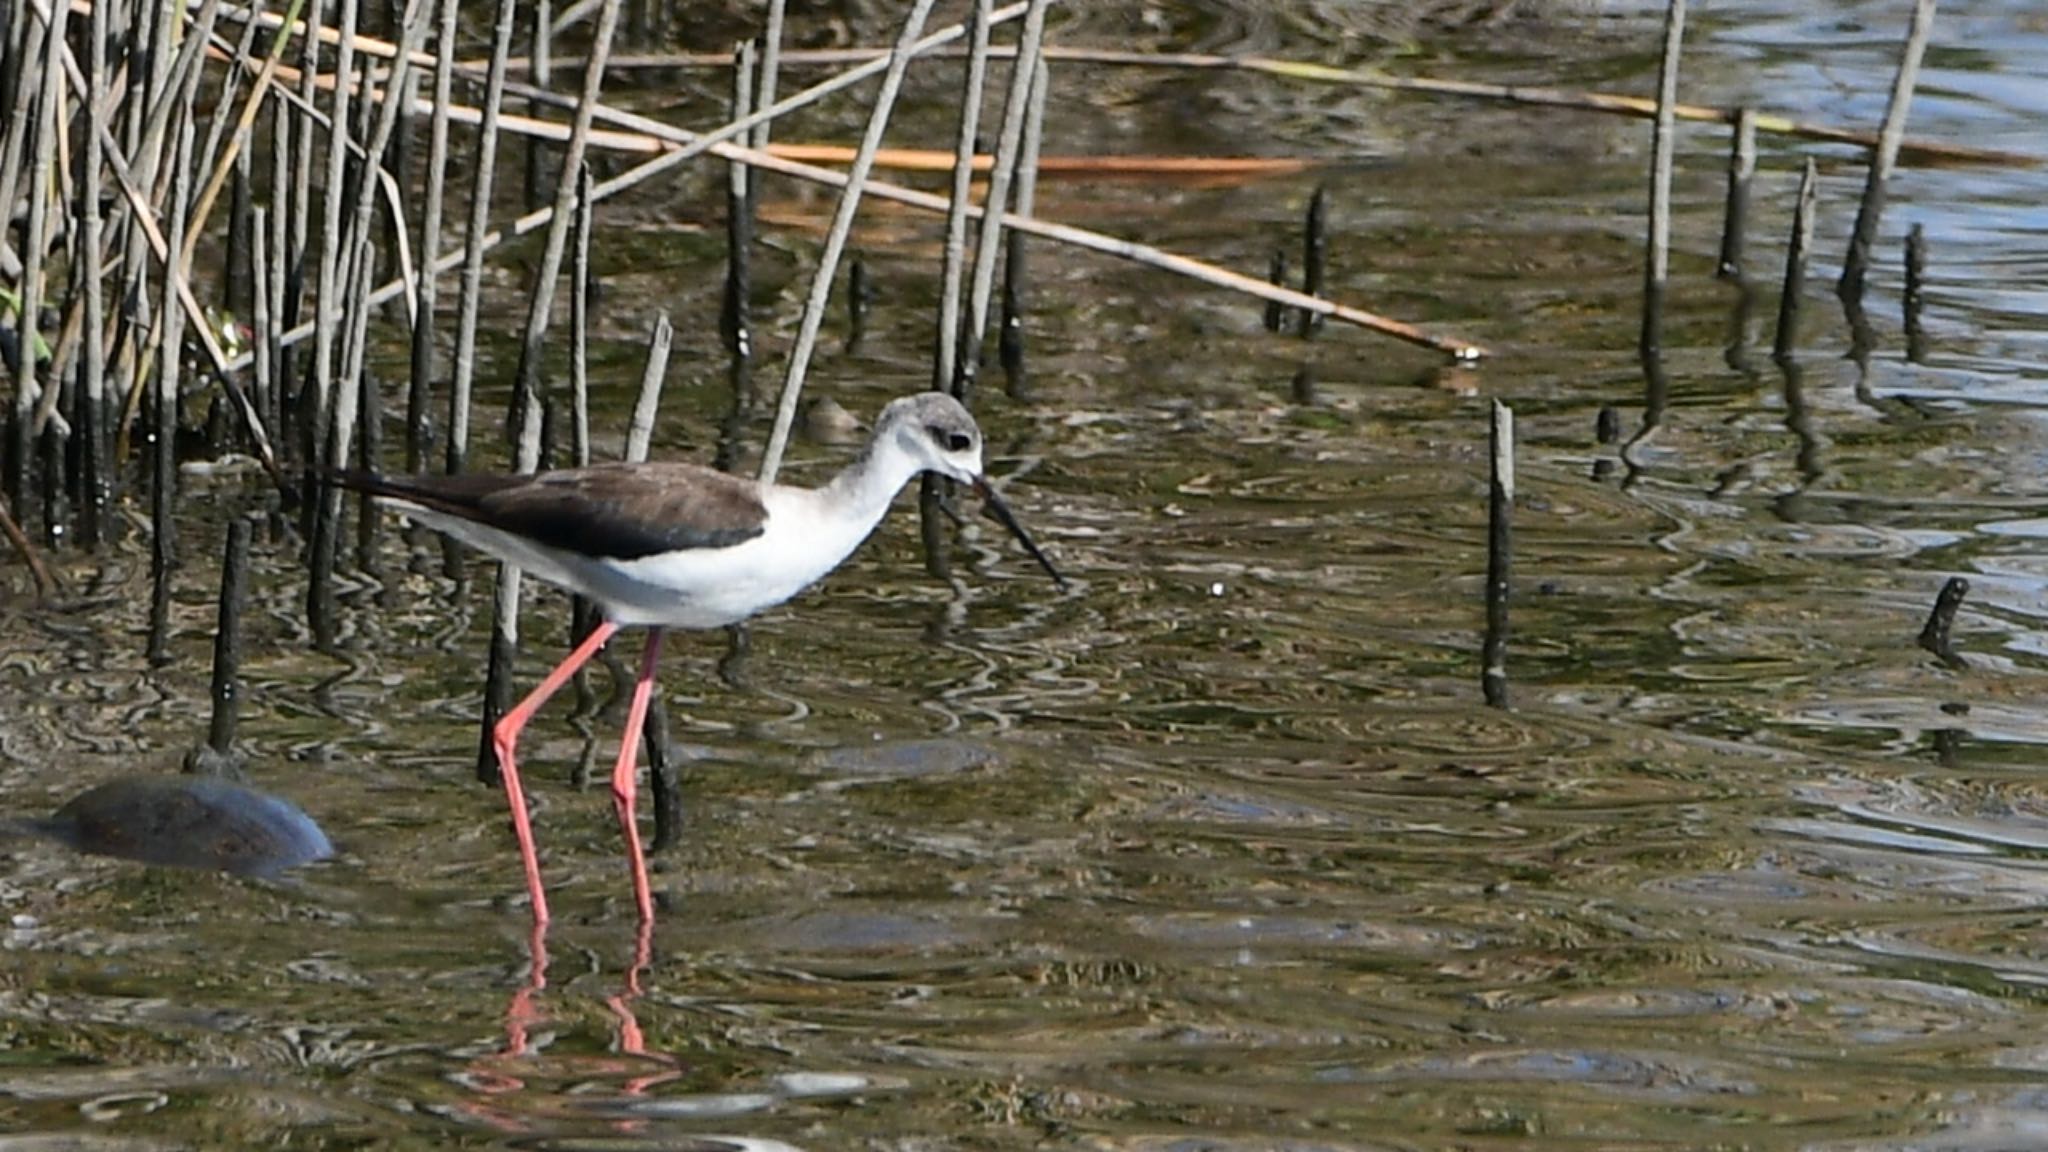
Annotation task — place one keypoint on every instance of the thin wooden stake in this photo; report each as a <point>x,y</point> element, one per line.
<point>734,315</point>
<point>226,692</point>
<point>1791,299</point>
<point>835,238</point>
<point>1915,300</point>
<point>1741,173</point>
<point>483,173</point>
<point>1315,255</point>
<point>1885,157</point>
<point>1664,142</point>
<point>526,385</point>
<point>1500,510</point>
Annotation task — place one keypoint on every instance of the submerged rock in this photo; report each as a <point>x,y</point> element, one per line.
<point>187,822</point>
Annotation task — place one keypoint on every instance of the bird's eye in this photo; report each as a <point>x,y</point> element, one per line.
<point>954,441</point>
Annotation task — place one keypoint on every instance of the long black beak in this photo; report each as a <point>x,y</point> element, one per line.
<point>1009,519</point>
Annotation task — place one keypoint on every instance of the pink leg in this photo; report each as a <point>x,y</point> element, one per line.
<point>624,776</point>
<point>505,737</point>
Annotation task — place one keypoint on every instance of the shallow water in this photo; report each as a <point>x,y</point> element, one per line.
<point>1218,849</point>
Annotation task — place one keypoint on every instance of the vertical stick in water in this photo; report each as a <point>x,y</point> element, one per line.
<point>326,499</point>
<point>424,330</point>
<point>835,238</point>
<point>1741,173</point>
<point>1916,294</point>
<point>640,433</point>
<point>1010,344</point>
<point>953,267</point>
<point>582,614</point>
<point>44,202</point>
<point>733,318</point>
<point>526,385</point>
<point>170,358</point>
<point>1315,253</point>
<point>260,345</point>
<point>579,322</point>
<point>1790,300</point>
<point>370,433</point>
<point>93,488</point>
<point>330,317</point>
<point>238,274</point>
<point>988,239</point>
<point>953,272</point>
<point>1663,141</point>
<point>661,773</point>
<point>505,615</point>
<point>56,443</point>
<point>483,172</point>
<point>42,136</point>
<point>1500,510</point>
<point>859,295</point>
<point>1276,273</point>
<point>1886,156</point>
<point>771,68</point>
<point>540,69</point>
<point>227,643</point>
<point>398,154</point>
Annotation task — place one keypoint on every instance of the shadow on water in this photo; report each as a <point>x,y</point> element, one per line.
<point>1219,848</point>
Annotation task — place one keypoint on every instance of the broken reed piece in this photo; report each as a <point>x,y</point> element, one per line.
<point>859,295</point>
<point>1789,300</point>
<point>1741,173</point>
<point>1500,510</point>
<point>217,756</point>
<point>1276,274</point>
<point>1915,298</point>
<point>1315,251</point>
<point>1935,636</point>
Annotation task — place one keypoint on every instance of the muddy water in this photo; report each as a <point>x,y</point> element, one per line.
<point>1217,849</point>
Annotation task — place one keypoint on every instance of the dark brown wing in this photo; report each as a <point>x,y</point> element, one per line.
<point>618,511</point>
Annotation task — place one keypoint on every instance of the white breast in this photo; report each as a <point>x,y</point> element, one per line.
<point>713,587</point>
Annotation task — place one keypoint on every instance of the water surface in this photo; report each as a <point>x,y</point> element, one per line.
<point>1219,849</point>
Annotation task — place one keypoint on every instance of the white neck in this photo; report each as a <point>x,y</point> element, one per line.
<point>863,491</point>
